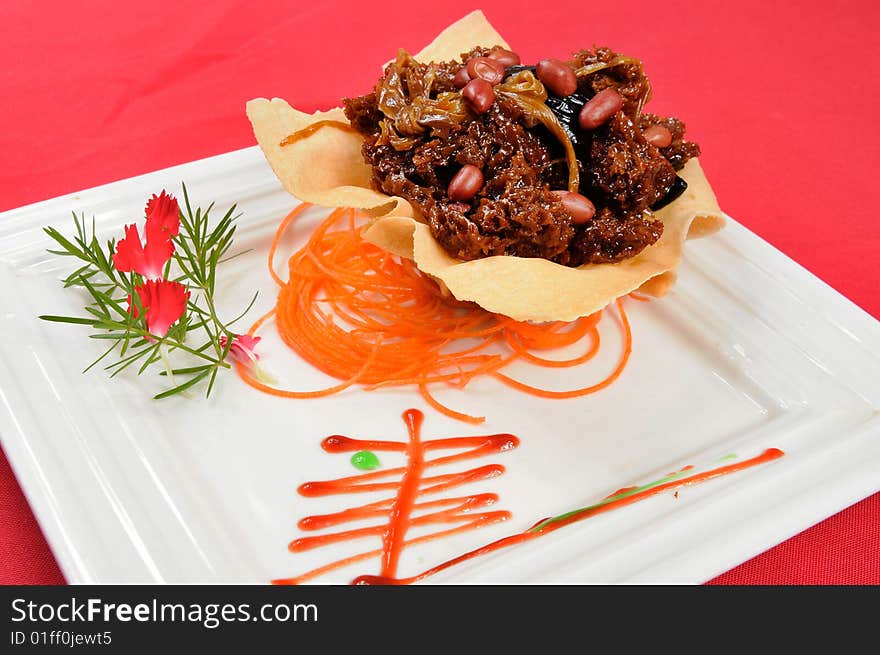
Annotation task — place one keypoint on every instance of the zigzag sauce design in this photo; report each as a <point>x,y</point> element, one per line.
<point>404,510</point>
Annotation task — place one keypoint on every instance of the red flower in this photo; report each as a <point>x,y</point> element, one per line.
<point>163,216</point>
<point>163,302</point>
<point>163,222</point>
<point>147,260</point>
<point>242,348</point>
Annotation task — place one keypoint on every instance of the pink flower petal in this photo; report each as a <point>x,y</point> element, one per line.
<point>164,302</point>
<point>156,255</point>
<point>163,216</point>
<point>242,348</point>
<point>147,261</point>
<point>129,254</point>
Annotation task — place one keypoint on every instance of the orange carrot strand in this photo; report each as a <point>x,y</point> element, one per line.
<point>574,393</point>
<point>365,316</point>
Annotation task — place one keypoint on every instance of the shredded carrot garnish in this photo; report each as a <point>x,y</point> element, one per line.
<point>299,135</point>
<point>365,316</point>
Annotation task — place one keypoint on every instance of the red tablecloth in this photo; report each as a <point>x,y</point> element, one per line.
<point>782,96</point>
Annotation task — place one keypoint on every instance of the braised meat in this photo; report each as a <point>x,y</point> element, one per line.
<point>499,162</point>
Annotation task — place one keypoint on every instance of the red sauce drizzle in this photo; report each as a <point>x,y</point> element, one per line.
<point>398,511</point>
<point>411,483</point>
<point>550,525</point>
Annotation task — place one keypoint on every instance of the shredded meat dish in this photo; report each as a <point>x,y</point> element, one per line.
<point>557,160</point>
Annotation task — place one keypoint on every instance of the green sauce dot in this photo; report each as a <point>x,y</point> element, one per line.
<point>365,460</point>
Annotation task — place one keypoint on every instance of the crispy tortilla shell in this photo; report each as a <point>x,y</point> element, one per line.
<point>327,167</point>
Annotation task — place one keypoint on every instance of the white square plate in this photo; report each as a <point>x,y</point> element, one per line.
<point>749,351</point>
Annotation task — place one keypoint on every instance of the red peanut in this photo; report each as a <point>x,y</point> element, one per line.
<point>557,76</point>
<point>486,69</point>
<point>478,95</point>
<point>461,78</point>
<point>504,57</point>
<point>579,207</point>
<point>465,183</point>
<point>658,135</point>
<point>600,108</point>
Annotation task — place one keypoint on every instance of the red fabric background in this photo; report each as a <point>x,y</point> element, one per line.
<point>781,95</point>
